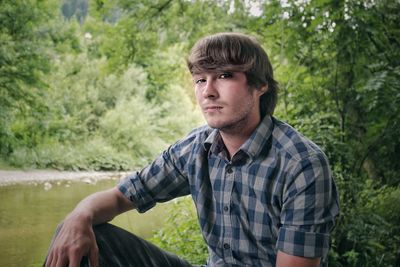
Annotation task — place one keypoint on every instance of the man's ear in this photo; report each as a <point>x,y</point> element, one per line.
<point>263,89</point>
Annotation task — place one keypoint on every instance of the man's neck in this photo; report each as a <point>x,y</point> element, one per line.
<point>235,138</point>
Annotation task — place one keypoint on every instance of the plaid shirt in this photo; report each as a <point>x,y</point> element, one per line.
<point>276,193</point>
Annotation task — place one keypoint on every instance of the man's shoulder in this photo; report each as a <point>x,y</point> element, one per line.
<point>291,144</point>
<point>188,148</point>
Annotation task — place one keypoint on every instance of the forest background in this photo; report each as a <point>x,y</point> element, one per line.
<point>102,85</point>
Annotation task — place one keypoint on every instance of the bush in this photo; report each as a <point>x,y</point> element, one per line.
<point>181,235</point>
<point>367,233</point>
<point>94,154</point>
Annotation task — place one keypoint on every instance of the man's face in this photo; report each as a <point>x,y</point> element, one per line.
<point>227,101</point>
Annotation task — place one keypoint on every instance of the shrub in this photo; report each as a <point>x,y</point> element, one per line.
<point>367,231</point>
<point>181,235</point>
<point>94,154</point>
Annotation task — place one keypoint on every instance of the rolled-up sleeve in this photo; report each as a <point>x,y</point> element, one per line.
<point>310,207</point>
<point>160,181</point>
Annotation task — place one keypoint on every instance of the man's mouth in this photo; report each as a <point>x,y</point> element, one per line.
<point>212,108</point>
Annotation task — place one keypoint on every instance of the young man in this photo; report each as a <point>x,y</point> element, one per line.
<point>263,192</point>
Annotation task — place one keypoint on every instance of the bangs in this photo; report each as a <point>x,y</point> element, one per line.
<point>220,53</point>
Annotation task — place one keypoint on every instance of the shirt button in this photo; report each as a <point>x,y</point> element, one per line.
<point>226,208</point>
<point>228,169</point>
<point>227,246</point>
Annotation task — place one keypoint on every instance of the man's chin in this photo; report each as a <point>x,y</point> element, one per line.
<point>213,125</point>
<point>213,122</point>
<point>217,125</point>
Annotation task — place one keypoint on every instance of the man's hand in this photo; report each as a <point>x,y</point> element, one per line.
<point>75,240</point>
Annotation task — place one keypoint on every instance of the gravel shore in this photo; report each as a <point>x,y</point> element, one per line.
<point>10,177</point>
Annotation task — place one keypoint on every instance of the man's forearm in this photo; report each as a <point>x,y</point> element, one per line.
<point>101,207</point>
<point>286,260</point>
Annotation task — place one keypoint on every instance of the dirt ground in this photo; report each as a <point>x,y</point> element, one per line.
<point>9,177</point>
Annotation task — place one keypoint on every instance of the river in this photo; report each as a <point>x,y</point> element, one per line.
<point>29,213</point>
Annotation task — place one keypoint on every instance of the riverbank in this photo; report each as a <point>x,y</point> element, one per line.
<point>10,177</point>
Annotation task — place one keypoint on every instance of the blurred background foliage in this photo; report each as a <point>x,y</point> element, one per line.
<point>102,85</point>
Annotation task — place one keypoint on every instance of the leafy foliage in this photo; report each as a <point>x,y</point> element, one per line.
<point>182,234</point>
<point>364,235</point>
<point>21,62</point>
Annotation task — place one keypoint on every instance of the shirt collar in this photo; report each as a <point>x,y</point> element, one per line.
<point>252,147</point>
<point>213,142</point>
<point>257,140</point>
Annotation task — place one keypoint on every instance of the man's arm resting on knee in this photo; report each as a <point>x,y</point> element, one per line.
<point>76,237</point>
<point>286,260</point>
<point>103,206</point>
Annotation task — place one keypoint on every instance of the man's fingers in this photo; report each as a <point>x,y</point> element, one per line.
<point>49,260</point>
<point>60,261</point>
<point>94,256</point>
<point>70,245</point>
<point>56,259</point>
<point>75,260</point>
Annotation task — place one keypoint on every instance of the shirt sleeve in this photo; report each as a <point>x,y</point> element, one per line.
<point>160,181</point>
<point>310,207</point>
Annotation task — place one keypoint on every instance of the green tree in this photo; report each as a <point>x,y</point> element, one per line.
<point>343,56</point>
<point>22,61</point>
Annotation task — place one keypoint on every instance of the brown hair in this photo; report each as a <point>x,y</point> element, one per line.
<point>237,52</point>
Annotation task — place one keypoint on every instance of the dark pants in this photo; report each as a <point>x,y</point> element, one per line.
<point>118,247</point>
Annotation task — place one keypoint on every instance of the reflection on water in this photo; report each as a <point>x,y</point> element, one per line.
<point>30,213</point>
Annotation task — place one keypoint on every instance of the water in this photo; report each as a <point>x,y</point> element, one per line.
<point>29,214</point>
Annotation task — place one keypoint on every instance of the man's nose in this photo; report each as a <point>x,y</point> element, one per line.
<point>210,90</point>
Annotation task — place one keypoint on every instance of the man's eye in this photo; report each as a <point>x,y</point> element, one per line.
<point>197,81</point>
<point>225,75</point>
